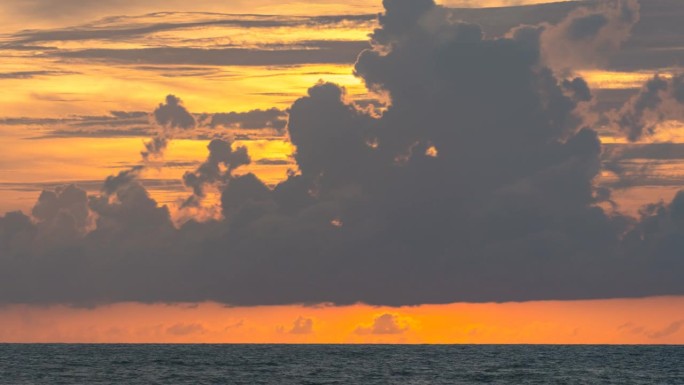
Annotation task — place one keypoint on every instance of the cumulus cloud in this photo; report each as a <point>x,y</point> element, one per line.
<point>386,324</point>
<point>16,232</point>
<point>476,184</point>
<point>69,200</point>
<point>173,114</point>
<point>169,116</point>
<point>209,172</point>
<point>302,326</point>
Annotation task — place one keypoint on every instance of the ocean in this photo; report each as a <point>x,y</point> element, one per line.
<point>339,364</point>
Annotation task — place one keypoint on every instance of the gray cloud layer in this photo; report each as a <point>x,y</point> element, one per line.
<point>142,29</point>
<point>654,42</point>
<point>316,53</point>
<point>475,185</point>
<point>171,117</point>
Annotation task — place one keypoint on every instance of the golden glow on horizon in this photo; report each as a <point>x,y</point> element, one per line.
<point>621,321</point>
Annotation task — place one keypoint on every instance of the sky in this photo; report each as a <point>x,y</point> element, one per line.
<point>398,171</point>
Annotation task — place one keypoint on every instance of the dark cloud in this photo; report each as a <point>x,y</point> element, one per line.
<point>116,124</point>
<point>170,120</point>
<point>654,151</point>
<point>169,116</point>
<point>97,133</point>
<point>16,232</point>
<point>476,184</point>
<point>271,118</point>
<point>586,27</point>
<point>328,53</point>
<point>32,74</point>
<point>659,100</point>
<point>63,201</point>
<point>95,186</point>
<point>173,114</point>
<point>588,36</point>
<point>181,71</point>
<point>643,164</point>
<point>578,89</point>
<point>210,172</point>
<point>654,42</point>
<point>274,162</point>
<point>119,28</point>
<point>155,147</point>
<point>115,118</point>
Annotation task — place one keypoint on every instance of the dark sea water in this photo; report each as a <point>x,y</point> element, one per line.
<point>328,364</point>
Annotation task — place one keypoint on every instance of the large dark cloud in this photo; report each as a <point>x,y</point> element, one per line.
<point>654,41</point>
<point>476,184</point>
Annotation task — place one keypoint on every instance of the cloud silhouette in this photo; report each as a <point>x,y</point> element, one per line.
<point>209,172</point>
<point>476,184</point>
<point>658,100</point>
<point>172,114</point>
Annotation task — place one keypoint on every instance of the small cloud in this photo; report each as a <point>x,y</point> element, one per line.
<point>236,325</point>
<point>671,329</point>
<point>33,74</point>
<point>385,324</point>
<point>302,326</point>
<point>186,329</point>
<point>173,114</point>
<point>274,162</point>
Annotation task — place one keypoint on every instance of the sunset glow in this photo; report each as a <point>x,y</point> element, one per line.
<point>243,171</point>
<point>646,321</point>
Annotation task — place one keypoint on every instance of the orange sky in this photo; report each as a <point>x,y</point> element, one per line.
<point>92,88</point>
<point>627,321</point>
